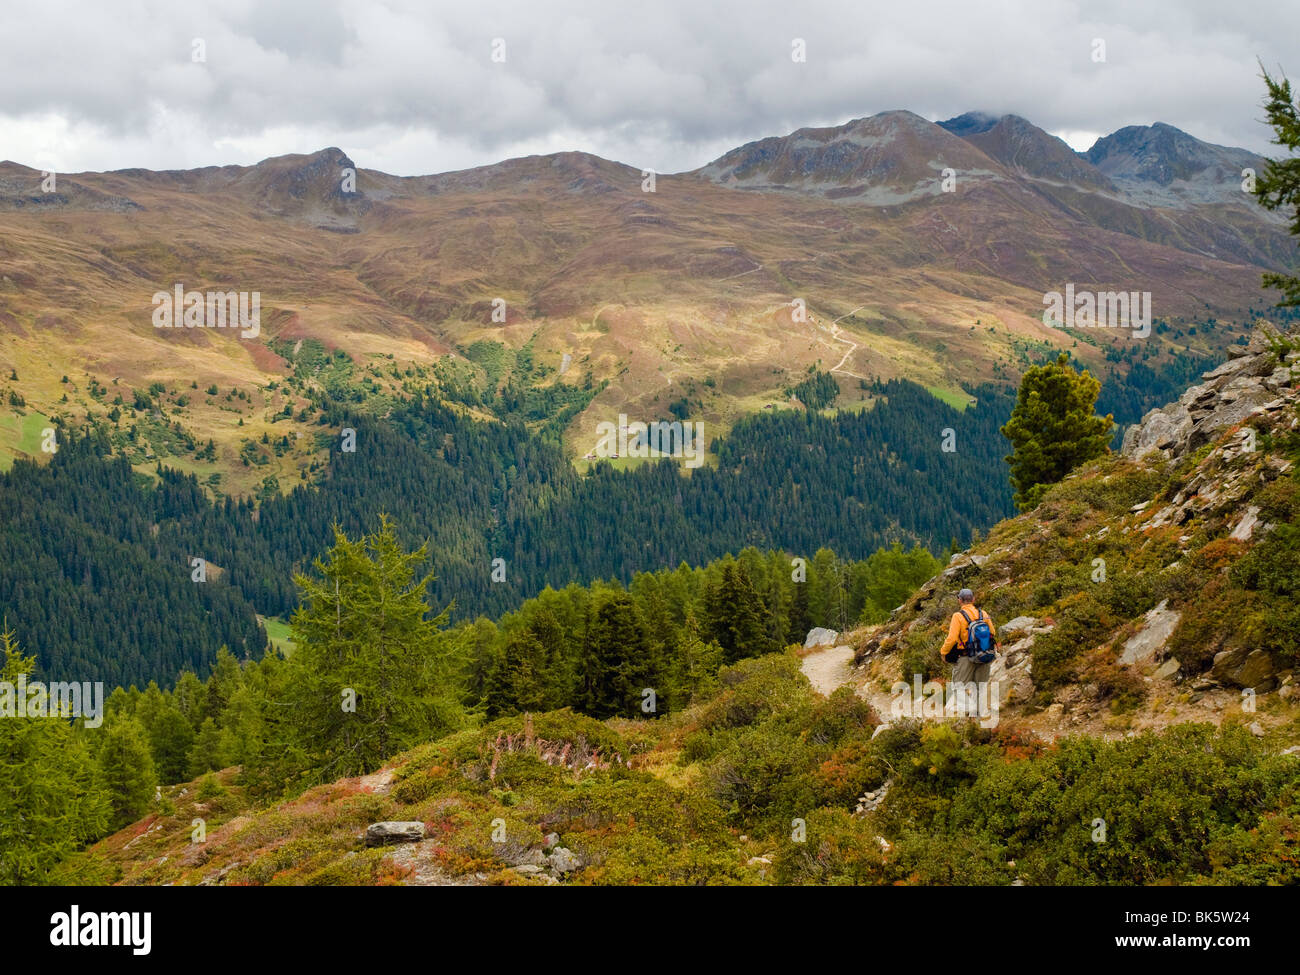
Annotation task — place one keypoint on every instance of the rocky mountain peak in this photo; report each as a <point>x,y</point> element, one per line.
<point>970,123</point>
<point>1163,165</point>
<point>891,157</point>
<point>323,187</point>
<point>1027,150</point>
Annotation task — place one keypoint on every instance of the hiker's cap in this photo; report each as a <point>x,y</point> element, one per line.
<point>966,596</point>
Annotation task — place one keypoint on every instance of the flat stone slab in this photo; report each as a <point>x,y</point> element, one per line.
<point>381,834</point>
<point>1158,626</point>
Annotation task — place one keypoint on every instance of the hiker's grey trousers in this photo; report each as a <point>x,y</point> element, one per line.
<point>967,670</point>
<point>969,678</point>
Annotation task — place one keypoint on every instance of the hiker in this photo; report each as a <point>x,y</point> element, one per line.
<point>971,647</point>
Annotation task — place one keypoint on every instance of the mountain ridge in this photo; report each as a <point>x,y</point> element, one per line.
<point>691,291</point>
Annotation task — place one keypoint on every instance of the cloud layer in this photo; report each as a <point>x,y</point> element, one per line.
<point>411,87</point>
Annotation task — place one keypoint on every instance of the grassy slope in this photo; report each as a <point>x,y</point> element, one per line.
<point>708,796</point>
<point>278,632</point>
<point>20,436</point>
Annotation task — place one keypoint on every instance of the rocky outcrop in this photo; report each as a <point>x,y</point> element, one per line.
<point>1201,467</point>
<point>1012,673</point>
<point>563,860</point>
<point>1255,379</point>
<point>549,862</point>
<point>1019,625</point>
<point>1239,667</point>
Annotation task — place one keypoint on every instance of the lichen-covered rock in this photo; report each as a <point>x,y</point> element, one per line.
<point>1021,624</point>
<point>1257,669</point>
<point>1239,667</point>
<point>563,860</point>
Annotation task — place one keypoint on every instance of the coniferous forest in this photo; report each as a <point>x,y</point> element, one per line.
<point>97,562</point>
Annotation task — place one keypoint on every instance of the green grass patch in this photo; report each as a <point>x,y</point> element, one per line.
<point>20,436</point>
<point>956,399</point>
<point>278,632</point>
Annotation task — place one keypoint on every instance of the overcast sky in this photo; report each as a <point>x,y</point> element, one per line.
<point>412,87</point>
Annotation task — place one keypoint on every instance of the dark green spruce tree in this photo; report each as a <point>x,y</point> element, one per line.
<point>620,662</point>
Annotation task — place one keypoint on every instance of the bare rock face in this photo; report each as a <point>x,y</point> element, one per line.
<point>1157,431</point>
<point>1244,528</point>
<point>1157,627</point>
<point>1011,674</point>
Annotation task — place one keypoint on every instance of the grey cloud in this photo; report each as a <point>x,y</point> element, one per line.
<point>410,87</point>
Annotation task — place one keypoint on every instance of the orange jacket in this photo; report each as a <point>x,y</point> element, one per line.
<point>957,629</point>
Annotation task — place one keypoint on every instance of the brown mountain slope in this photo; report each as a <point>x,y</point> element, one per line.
<point>654,292</point>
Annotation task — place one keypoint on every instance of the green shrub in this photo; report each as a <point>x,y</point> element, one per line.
<point>847,773</point>
<point>1114,492</point>
<point>755,689</point>
<point>1066,579</point>
<point>959,858</point>
<point>1267,854</point>
<point>1081,622</point>
<point>764,772</point>
<point>1273,565</point>
<point>842,716</point>
<point>1162,801</point>
<point>919,653</point>
<point>836,849</point>
<point>1128,595</point>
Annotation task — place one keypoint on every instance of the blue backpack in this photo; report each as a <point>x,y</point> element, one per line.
<point>979,638</point>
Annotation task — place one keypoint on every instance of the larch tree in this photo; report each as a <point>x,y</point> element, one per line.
<point>372,672</point>
<point>52,803</point>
